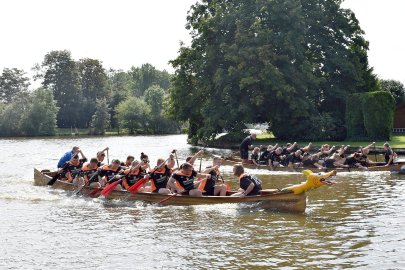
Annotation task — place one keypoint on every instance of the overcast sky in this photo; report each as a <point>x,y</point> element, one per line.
<point>124,33</point>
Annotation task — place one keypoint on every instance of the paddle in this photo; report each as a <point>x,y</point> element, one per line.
<point>139,184</point>
<point>168,198</point>
<point>228,187</point>
<point>108,189</point>
<point>108,157</point>
<point>200,164</point>
<point>177,160</point>
<point>375,153</point>
<point>54,178</point>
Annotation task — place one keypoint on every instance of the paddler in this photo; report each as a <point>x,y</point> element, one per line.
<point>101,155</point>
<point>110,173</point>
<point>185,179</point>
<point>72,168</point>
<point>244,147</point>
<point>160,176</point>
<point>389,155</point>
<point>68,156</point>
<point>133,175</point>
<point>90,170</point>
<point>209,186</point>
<point>249,184</point>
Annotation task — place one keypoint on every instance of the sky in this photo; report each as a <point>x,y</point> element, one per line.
<point>125,33</point>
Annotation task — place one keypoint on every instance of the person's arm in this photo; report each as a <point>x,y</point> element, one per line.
<point>170,164</point>
<point>105,149</point>
<point>83,156</point>
<point>249,189</point>
<point>329,151</point>
<point>289,149</point>
<point>391,159</point>
<point>172,185</point>
<point>194,158</point>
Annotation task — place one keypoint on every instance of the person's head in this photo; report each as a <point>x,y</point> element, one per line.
<point>256,150</point>
<point>253,136</point>
<point>298,153</point>
<point>144,158</point>
<point>386,146</point>
<point>129,160</point>
<point>238,170</point>
<point>186,168</point>
<point>115,164</point>
<point>160,161</point>
<point>279,150</point>
<point>75,158</point>
<point>100,156</point>
<point>76,149</point>
<point>217,161</point>
<point>288,145</point>
<point>269,147</point>
<point>93,162</point>
<point>188,158</point>
<point>326,147</point>
<point>357,156</point>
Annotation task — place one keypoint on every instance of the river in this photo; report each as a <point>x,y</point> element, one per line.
<point>356,223</point>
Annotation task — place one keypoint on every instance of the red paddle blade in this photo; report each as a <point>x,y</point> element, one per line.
<point>108,189</point>
<point>228,187</point>
<point>137,186</point>
<point>94,192</point>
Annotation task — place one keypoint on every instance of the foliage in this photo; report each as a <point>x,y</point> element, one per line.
<point>93,80</point>
<point>154,96</point>
<point>13,84</point>
<point>144,77</point>
<point>290,63</point>
<point>133,113</point>
<point>396,88</point>
<point>101,118</point>
<point>39,118</point>
<point>31,115</point>
<point>378,112</point>
<point>354,117</point>
<point>119,88</point>
<point>60,74</point>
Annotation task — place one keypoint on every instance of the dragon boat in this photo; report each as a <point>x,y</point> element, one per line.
<point>398,167</point>
<point>289,199</point>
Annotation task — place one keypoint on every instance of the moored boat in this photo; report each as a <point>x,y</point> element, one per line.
<point>286,200</point>
<point>397,167</point>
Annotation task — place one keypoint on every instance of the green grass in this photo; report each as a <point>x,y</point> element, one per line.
<point>397,141</point>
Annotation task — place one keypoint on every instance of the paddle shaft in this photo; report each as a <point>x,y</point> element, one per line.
<point>168,198</point>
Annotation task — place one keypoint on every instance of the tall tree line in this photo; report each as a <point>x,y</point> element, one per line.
<point>291,63</point>
<point>83,94</point>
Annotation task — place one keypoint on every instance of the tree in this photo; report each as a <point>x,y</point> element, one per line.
<point>396,88</point>
<point>101,118</point>
<point>39,119</point>
<point>61,75</point>
<point>133,113</point>
<point>10,117</point>
<point>147,75</point>
<point>119,88</point>
<point>287,62</point>
<point>94,86</point>
<point>13,83</point>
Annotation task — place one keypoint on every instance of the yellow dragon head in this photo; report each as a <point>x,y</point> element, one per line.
<point>314,180</point>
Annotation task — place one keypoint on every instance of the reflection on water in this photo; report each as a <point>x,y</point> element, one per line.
<point>357,223</point>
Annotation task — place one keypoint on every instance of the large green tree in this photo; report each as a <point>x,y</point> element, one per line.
<point>119,88</point>
<point>101,118</point>
<point>287,62</point>
<point>145,76</point>
<point>133,114</point>
<point>396,88</point>
<point>13,83</point>
<point>40,117</point>
<point>60,74</point>
<point>93,80</point>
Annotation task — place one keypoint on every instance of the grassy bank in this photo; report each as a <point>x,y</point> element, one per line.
<point>397,141</point>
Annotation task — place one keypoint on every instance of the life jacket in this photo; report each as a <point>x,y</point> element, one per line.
<point>89,172</point>
<point>108,172</point>
<point>131,177</point>
<point>252,179</point>
<point>159,178</point>
<point>208,184</point>
<point>72,169</point>
<point>185,181</point>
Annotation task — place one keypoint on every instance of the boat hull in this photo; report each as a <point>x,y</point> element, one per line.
<point>269,199</point>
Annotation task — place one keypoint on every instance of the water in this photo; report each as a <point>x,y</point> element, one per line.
<point>357,223</point>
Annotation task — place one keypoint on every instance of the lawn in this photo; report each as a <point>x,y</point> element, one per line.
<point>397,141</point>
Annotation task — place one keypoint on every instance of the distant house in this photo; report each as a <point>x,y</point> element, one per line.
<point>399,118</point>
